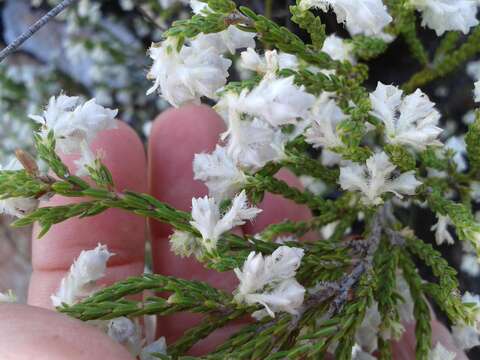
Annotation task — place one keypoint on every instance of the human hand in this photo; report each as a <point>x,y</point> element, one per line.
<point>28,332</point>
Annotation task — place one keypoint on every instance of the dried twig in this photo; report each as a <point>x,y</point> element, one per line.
<point>150,18</point>
<point>34,28</point>
<point>349,281</point>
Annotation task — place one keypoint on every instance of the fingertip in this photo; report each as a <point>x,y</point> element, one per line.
<point>28,332</point>
<point>196,119</point>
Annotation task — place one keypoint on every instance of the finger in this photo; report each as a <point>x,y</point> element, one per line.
<point>123,233</point>
<point>28,332</point>
<point>277,209</point>
<point>404,349</point>
<point>176,136</point>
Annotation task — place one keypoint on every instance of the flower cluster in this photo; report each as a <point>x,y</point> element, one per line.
<point>368,17</point>
<point>270,281</point>
<point>468,336</point>
<point>444,15</point>
<point>375,178</point>
<point>255,125</point>
<point>211,225</point>
<point>185,73</point>
<point>75,126</point>
<point>412,121</point>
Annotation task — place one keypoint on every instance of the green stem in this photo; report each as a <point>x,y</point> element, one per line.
<point>409,33</point>
<point>423,330</point>
<point>298,228</point>
<point>470,48</point>
<point>279,187</point>
<point>201,331</point>
<point>193,296</point>
<point>302,164</point>
<point>447,45</point>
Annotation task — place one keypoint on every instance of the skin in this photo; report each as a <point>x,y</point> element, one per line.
<point>35,331</point>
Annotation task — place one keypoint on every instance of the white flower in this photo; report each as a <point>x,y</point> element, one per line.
<point>251,60</point>
<point>409,121</point>
<point>73,123</point>
<point>185,75</point>
<point>441,230</point>
<point>127,5</point>
<point>469,298</point>
<point>367,333</point>
<point>278,101</point>
<point>184,244</point>
<point>405,309</point>
<point>230,105</point>
<point>470,264</point>
<point>287,296</point>
<point>271,62</point>
<point>374,179</point>
<point>326,115</point>
<point>328,230</point>
<point>314,185</point>
<point>228,40</point>
<point>457,144</point>
<point>165,4</point>
<point>158,346</point>
<point>209,222</point>
<point>473,70</point>
<point>15,206</point>
<point>447,15</point>
<point>330,158</point>
<point>219,172</point>
<point>270,281</point>
<point>477,91</point>
<point>469,117</point>
<point>475,190</point>
<point>147,128</point>
<point>338,49</point>
<point>440,353</point>
<point>8,297</point>
<point>367,17</point>
<point>467,336</point>
<point>81,279</point>
<point>89,10</point>
<point>126,332</point>
<point>359,354</point>
<point>252,144</point>
<point>284,239</point>
<point>198,6</point>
